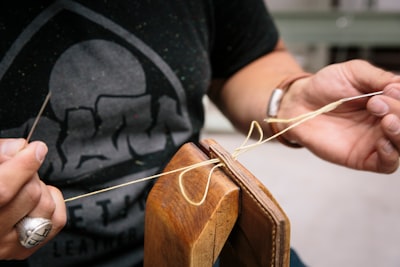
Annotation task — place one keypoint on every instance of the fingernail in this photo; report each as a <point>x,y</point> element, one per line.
<point>394,125</point>
<point>11,147</point>
<point>378,107</point>
<point>388,147</point>
<point>393,92</point>
<point>41,151</point>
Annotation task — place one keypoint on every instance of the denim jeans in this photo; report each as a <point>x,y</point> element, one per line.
<point>295,260</point>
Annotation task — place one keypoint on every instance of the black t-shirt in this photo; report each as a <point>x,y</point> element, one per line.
<point>127,80</point>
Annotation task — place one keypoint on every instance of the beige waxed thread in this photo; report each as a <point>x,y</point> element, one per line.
<point>324,109</point>
<point>297,121</point>
<point>182,188</point>
<point>241,149</point>
<point>200,164</point>
<point>244,148</point>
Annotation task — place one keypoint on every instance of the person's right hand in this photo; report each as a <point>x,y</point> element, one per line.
<point>22,193</point>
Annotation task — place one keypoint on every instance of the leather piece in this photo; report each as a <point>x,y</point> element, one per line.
<point>260,236</point>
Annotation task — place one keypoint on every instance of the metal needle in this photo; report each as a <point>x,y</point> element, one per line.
<point>46,100</point>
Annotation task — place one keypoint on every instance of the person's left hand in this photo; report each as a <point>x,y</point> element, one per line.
<point>361,134</point>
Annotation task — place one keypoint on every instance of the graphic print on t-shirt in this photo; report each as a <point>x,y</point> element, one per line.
<point>117,111</point>
<point>101,86</point>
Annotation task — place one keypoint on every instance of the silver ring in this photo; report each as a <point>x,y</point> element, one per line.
<point>32,231</point>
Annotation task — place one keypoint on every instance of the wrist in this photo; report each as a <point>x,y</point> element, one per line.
<point>274,106</point>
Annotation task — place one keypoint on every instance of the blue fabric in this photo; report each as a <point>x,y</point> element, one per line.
<point>295,260</point>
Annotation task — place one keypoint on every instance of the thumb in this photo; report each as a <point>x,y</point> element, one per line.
<point>10,146</point>
<point>368,78</point>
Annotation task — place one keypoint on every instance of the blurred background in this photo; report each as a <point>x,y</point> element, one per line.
<point>339,217</point>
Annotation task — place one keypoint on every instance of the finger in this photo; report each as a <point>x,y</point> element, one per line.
<point>11,214</point>
<point>9,147</point>
<point>382,105</point>
<point>19,206</point>
<point>51,206</point>
<point>45,206</point>
<point>387,157</point>
<point>393,90</point>
<point>59,218</point>
<point>10,248</point>
<point>369,77</point>
<point>18,170</point>
<point>391,128</point>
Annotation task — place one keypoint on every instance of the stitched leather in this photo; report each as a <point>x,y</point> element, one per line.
<point>260,236</point>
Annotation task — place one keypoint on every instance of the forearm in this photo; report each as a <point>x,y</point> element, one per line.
<point>244,96</point>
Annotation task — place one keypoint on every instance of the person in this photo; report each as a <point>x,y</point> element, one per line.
<point>127,80</point>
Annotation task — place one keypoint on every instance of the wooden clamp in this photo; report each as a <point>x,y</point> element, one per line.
<point>239,221</point>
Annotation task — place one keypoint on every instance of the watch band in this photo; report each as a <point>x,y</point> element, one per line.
<point>275,101</point>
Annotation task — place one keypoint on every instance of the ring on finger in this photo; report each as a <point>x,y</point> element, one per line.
<point>32,231</point>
